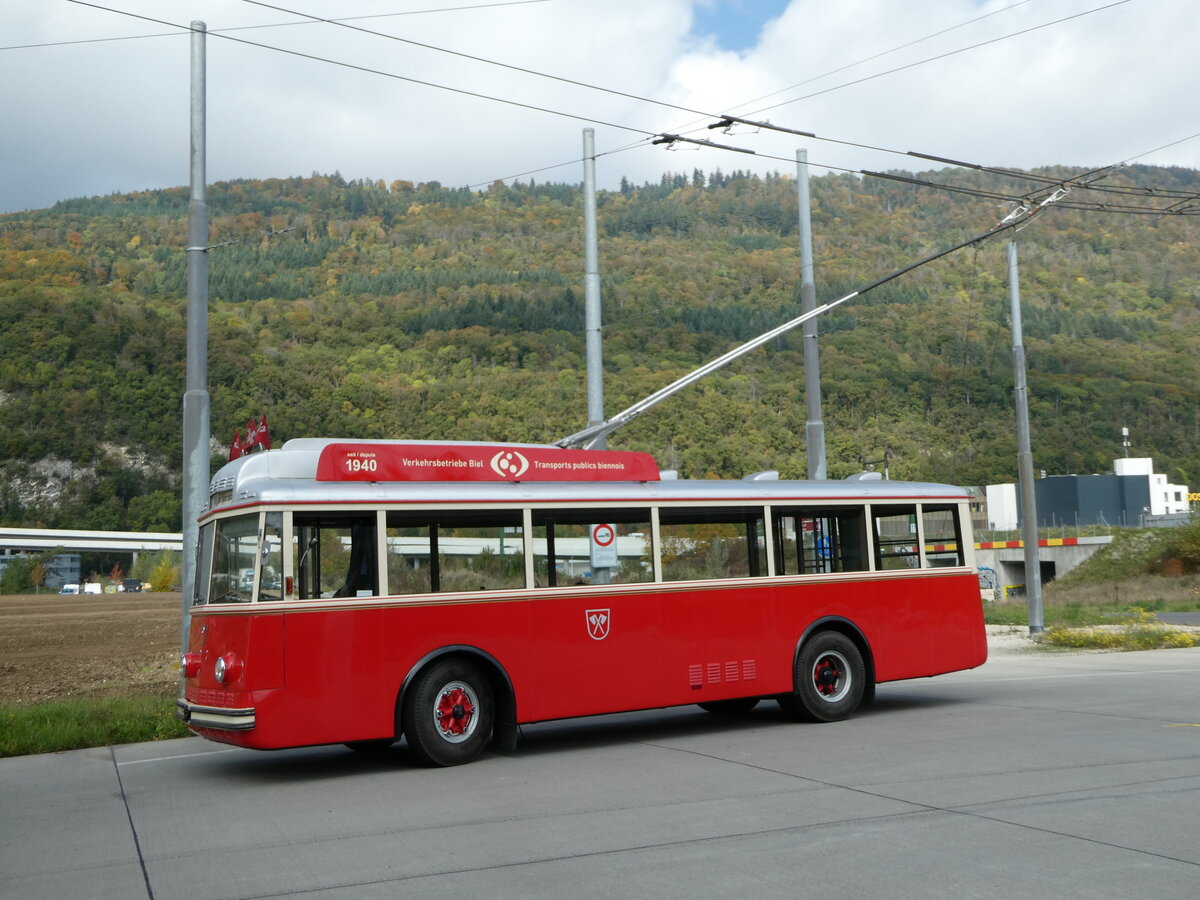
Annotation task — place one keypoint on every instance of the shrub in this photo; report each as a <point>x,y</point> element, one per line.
<point>1180,551</point>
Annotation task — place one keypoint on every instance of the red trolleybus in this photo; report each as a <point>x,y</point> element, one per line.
<point>356,591</point>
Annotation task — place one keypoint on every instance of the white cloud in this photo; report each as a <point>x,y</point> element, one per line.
<point>94,118</point>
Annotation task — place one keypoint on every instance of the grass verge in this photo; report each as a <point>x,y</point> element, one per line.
<point>1137,629</point>
<point>75,724</point>
<point>1077,603</point>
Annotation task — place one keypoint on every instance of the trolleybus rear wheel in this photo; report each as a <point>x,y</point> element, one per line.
<point>830,679</point>
<point>448,713</point>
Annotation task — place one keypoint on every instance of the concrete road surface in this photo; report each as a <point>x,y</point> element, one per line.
<point>1179,618</point>
<point>1035,776</point>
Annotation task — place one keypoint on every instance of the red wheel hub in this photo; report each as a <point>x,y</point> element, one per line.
<point>827,675</point>
<point>454,711</point>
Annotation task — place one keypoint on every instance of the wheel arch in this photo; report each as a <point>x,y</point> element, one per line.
<point>854,633</point>
<point>505,726</point>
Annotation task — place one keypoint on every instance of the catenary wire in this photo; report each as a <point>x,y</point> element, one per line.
<point>670,139</point>
<point>646,134</point>
<point>1028,176</point>
<point>1048,183</point>
<point>921,62</point>
<point>371,71</point>
<point>490,62</point>
<point>639,98</point>
<point>1075,182</point>
<point>883,53</point>
<point>307,21</point>
<point>870,58</point>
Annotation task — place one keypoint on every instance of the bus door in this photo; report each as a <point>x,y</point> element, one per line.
<point>905,644</point>
<point>598,637</point>
<point>720,637</point>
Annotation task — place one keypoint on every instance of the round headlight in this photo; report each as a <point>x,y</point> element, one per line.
<point>219,670</point>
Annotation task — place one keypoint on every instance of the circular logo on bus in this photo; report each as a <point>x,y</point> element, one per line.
<point>509,464</point>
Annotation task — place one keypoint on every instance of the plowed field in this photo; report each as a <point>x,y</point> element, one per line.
<point>54,646</point>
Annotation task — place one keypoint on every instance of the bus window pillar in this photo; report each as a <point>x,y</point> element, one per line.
<point>872,549</point>
<point>655,548</point>
<point>527,536</point>
<point>921,561</point>
<point>381,554</point>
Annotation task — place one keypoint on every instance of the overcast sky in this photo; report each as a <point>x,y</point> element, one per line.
<point>99,111</point>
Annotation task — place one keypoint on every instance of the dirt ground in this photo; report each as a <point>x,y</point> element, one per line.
<point>54,646</point>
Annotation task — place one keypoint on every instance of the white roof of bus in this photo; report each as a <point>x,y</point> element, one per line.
<point>288,475</point>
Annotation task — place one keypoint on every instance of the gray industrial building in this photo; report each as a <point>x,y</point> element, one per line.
<point>1132,496</point>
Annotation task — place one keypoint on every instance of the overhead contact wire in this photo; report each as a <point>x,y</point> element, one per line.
<point>660,138</point>
<point>371,71</point>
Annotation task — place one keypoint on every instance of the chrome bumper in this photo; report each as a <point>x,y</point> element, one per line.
<point>216,717</point>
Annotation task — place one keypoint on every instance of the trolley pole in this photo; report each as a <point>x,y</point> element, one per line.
<point>1029,533</point>
<point>593,319</point>
<point>196,427</point>
<point>814,428</point>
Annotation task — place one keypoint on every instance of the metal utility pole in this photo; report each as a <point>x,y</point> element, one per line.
<point>591,288</point>
<point>196,428</point>
<point>814,428</point>
<point>593,321</point>
<point>1029,532</point>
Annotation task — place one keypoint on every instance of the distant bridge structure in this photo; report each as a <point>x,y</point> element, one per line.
<point>16,540</point>
<point>1058,556</point>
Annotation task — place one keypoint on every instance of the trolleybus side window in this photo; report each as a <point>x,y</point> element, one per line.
<point>895,537</point>
<point>711,543</point>
<point>270,578</point>
<point>333,555</point>
<point>235,543</point>
<point>820,540</point>
<point>943,537</point>
<point>411,555</point>
<point>204,548</point>
<point>562,546</point>
<point>451,550</point>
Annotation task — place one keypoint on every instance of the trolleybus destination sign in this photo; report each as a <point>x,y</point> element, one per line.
<point>371,461</point>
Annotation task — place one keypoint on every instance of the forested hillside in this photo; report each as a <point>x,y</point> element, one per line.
<point>420,311</point>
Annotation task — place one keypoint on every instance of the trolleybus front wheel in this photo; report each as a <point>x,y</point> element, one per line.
<point>448,713</point>
<point>830,679</point>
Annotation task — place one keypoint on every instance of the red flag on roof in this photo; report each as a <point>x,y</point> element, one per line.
<point>235,449</point>
<point>257,435</point>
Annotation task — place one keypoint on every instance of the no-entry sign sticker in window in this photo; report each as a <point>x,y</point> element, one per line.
<point>604,546</point>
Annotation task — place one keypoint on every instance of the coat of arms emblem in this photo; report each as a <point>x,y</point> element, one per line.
<point>598,621</point>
